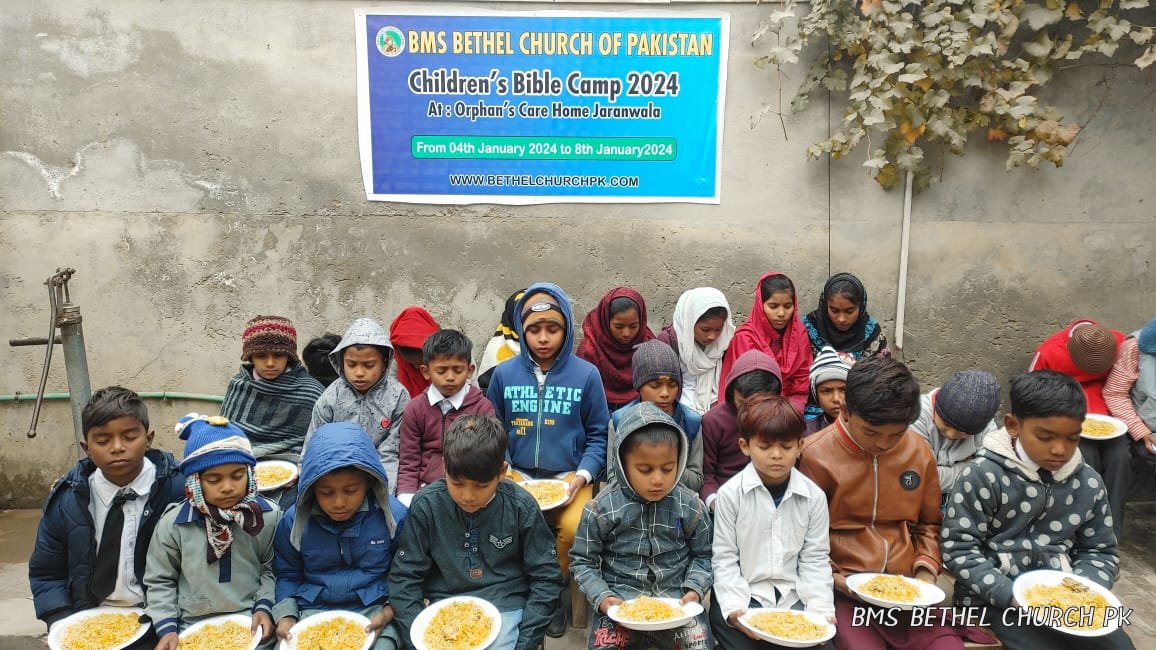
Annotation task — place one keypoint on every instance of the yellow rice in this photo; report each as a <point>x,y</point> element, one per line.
<point>272,475</point>
<point>101,632</point>
<point>787,625</point>
<point>896,589</point>
<point>229,635</point>
<point>645,609</point>
<point>458,626</point>
<point>1067,598</point>
<point>333,634</point>
<point>1097,428</point>
<point>546,493</point>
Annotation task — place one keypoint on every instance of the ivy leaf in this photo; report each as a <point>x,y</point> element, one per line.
<point>1040,47</point>
<point>1038,17</point>
<point>1133,4</point>
<point>1142,35</point>
<point>877,162</point>
<point>1147,58</point>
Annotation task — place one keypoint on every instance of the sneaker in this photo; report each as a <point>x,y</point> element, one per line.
<point>557,626</point>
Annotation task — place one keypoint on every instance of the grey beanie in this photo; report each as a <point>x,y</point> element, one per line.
<point>654,359</point>
<point>968,400</point>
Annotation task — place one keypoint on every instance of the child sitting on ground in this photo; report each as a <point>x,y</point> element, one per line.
<point>408,333</point>
<point>1030,502</point>
<point>334,546</point>
<point>771,543</point>
<point>610,332</point>
<point>365,393</point>
<point>828,383</point>
<point>883,497</point>
<point>645,534</point>
<point>754,373</point>
<point>954,418</point>
<point>701,331</point>
<point>447,363</point>
<point>1130,390</point>
<point>99,518</point>
<point>509,558</point>
<point>657,379</point>
<point>271,398</point>
<point>315,356</point>
<point>212,554</point>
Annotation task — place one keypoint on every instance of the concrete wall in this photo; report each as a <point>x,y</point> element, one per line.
<point>197,163</point>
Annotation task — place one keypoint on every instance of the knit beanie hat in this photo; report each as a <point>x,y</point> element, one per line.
<point>1093,348</point>
<point>652,360</point>
<point>828,365</point>
<point>968,400</point>
<point>1146,341</point>
<point>274,334</point>
<point>211,441</point>
<point>542,307</point>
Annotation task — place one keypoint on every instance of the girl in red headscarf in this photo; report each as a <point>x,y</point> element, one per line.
<point>774,327</point>
<point>407,333</point>
<point>609,333</point>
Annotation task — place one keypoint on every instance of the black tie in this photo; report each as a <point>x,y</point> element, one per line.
<point>108,555</point>
<point>1046,476</point>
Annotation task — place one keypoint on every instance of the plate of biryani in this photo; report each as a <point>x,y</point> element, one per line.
<point>457,623</point>
<point>221,633</point>
<point>99,628</point>
<point>1080,601</point>
<point>334,630</point>
<point>548,492</point>
<point>789,628</point>
<point>1102,427</point>
<point>274,474</point>
<point>647,613</point>
<point>887,590</point>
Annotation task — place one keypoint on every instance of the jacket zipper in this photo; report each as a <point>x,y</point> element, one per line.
<point>875,511</point>
<point>538,422</point>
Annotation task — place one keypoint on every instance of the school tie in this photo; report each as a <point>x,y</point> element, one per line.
<point>108,555</point>
<point>1046,476</point>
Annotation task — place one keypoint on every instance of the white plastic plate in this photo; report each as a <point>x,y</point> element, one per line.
<point>689,611</point>
<point>277,463</point>
<point>56,634</point>
<point>1051,577</point>
<point>785,641</point>
<point>310,621</point>
<point>554,504</point>
<point>929,594</point>
<point>1119,428</point>
<point>421,623</point>
<point>243,619</point>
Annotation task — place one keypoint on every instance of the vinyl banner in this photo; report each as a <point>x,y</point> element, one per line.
<point>472,106</point>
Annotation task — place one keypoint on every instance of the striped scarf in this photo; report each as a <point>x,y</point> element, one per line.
<point>273,414</point>
<point>218,522</point>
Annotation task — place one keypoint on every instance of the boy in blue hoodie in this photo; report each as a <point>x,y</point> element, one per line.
<point>509,559</point>
<point>333,548</point>
<point>82,558</point>
<point>645,534</point>
<point>365,392</point>
<point>553,407</point>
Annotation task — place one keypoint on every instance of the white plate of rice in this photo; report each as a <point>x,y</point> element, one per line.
<point>548,492</point>
<point>215,634</point>
<point>923,594</point>
<point>324,627</point>
<point>646,613</point>
<point>1102,427</point>
<point>1044,588</point>
<point>466,623</point>
<point>81,632</point>
<point>789,628</point>
<point>276,474</point>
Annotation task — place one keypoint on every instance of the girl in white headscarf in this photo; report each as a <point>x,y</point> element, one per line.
<point>700,334</point>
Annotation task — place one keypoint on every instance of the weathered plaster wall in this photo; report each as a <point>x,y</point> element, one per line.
<point>197,163</point>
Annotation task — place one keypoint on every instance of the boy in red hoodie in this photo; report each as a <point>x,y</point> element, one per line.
<point>408,333</point>
<point>447,363</point>
<point>1086,351</point>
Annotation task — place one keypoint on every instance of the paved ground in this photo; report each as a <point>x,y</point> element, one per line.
<point>19,629</point>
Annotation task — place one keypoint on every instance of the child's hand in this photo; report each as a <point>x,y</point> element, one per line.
<point>380,620</point>
<point>168,642</point>
<point>283,627</point>
<point>576,484</point>
<point>925,574</point>
<point>607,603</point>
<point>733,619</point>
<point>691,596</point>
<point>841,587</point>
<point>265,622</point>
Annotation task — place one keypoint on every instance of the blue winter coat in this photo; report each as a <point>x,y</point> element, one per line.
<point>326,564</point>
<point>60,570</point>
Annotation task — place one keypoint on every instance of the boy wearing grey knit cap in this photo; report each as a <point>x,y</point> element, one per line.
<point>955,418</point>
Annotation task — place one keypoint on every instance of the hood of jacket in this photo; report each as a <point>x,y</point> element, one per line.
<point>750,361</point>
<point>634,418</point>
<point>998,446</point>
<point>563,300</point>
<point>363,331</point>
<point>334,446</point>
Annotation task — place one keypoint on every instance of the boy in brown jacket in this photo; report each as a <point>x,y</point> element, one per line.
<point>883,494</point>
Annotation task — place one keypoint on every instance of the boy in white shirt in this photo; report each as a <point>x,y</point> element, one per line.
<point>779,555</point>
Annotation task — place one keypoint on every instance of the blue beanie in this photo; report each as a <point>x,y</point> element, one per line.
<point>211,441</point>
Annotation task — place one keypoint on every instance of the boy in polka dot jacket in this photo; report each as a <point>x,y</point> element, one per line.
<point>1030,502</point>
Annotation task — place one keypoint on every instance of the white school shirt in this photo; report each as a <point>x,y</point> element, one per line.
<point>127,591</point>
<point>785,547</point>
<point>456,400</point>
